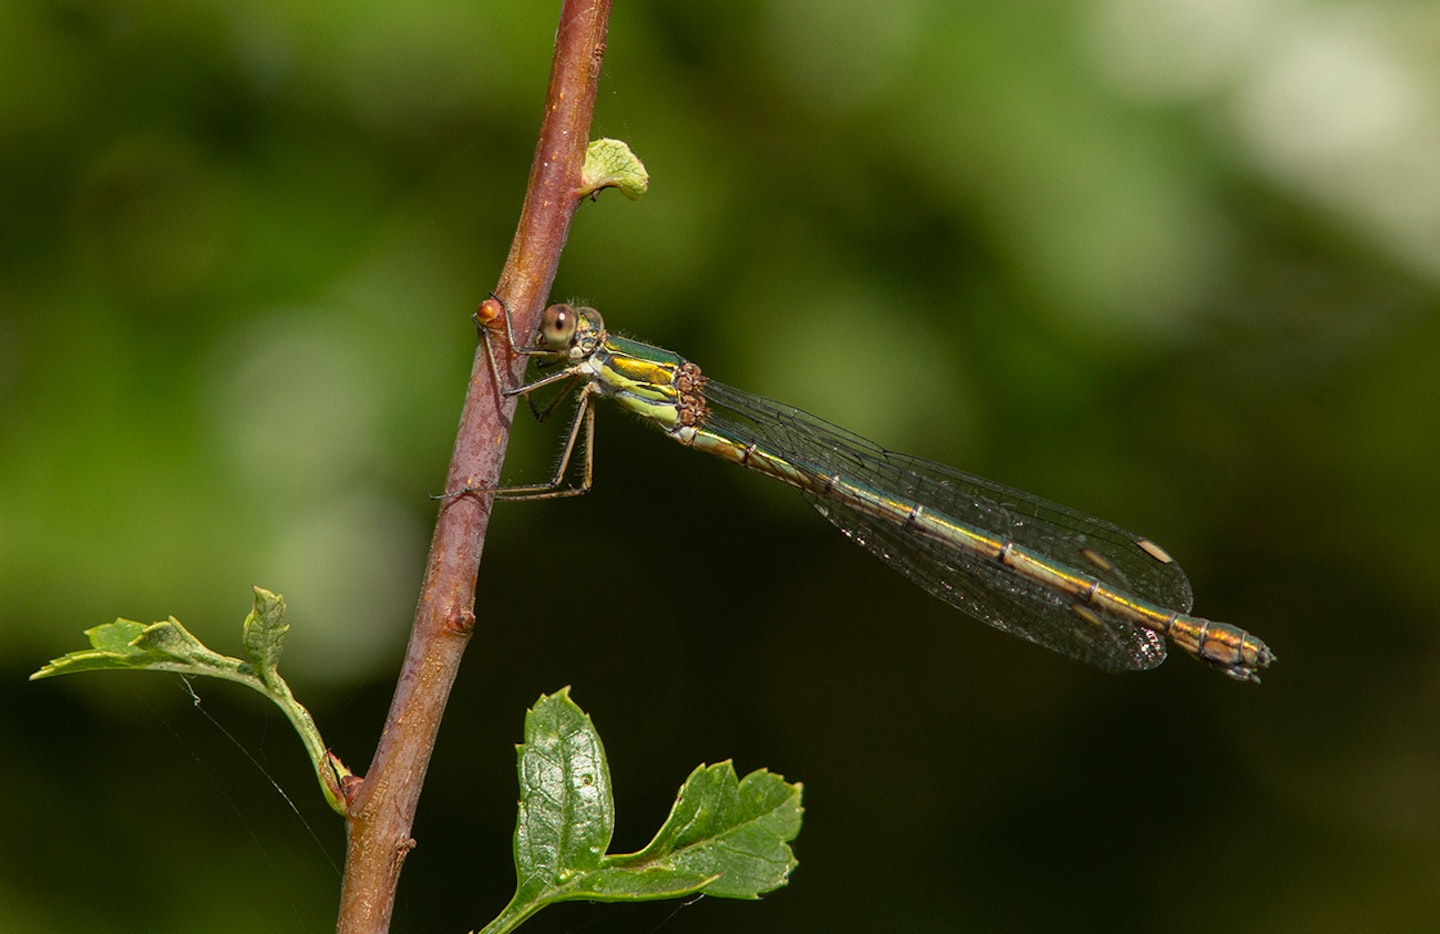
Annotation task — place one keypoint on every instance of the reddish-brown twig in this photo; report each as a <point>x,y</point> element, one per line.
<point>382,805</point>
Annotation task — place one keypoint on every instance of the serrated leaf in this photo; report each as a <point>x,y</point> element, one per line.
<point>567,812</point>
<point>609,163</point>
<point>738,831</point>
<point>169,646</point>
<point>264,634</point>
<point>724,836</point>
<point>110,648</point>
<point>125,643</point>
<point>115,638</point>
<point>171,639</point>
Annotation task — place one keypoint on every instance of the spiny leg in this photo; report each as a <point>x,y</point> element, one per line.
<point>584,413</point>
<point>584,420</point>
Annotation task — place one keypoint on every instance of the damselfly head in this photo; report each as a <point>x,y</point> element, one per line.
<point>571,331</point>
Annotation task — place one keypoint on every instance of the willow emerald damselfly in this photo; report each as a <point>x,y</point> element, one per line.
<point>1072,583</point>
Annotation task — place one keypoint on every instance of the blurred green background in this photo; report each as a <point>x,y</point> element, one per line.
<point>1175,264</point>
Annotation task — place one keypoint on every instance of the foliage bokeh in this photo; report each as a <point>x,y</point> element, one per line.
<point>1175,264</point>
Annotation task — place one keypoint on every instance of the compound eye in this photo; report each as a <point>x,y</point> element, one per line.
<point>557,326</point>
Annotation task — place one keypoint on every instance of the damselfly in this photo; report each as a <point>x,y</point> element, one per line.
<point>1067,581</point>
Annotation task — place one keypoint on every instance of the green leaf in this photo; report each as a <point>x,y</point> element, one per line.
<point>113,639</point>
<point>724,837</point>
<point>737,832</point>
<point>162,646</point>
<point>609,163</point>
<point>636,885</point>
<point>264,634</point>
<point>567,812</point>
<point>175,641</point>
<point>169,646</point>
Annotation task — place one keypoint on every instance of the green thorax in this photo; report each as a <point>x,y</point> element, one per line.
<point>641,377</point>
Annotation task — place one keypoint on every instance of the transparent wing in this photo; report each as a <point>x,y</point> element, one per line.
<point>984,588</point>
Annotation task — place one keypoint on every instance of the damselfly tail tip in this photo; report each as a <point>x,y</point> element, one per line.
<point>1221,645</point>
<point>1243,659</point>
